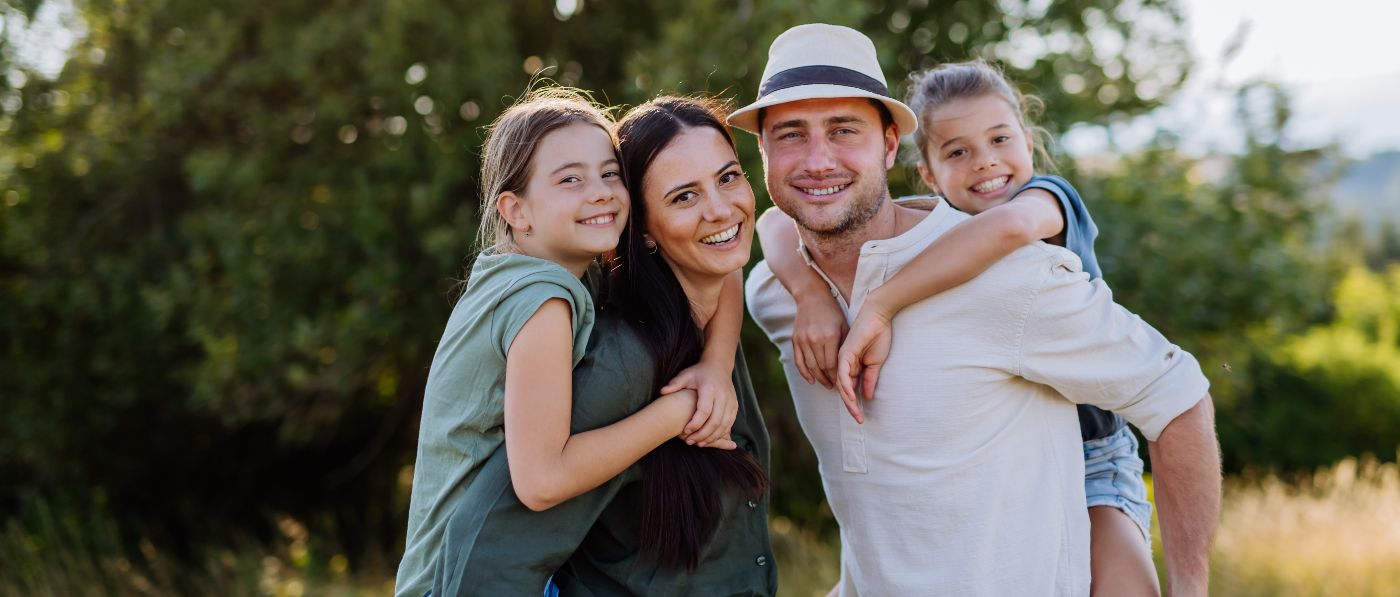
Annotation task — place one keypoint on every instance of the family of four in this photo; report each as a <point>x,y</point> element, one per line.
<point>589,426</point>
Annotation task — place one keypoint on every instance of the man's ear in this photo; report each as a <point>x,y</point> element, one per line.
<point>927,177</point>
<point>512,209</point>
<point>891,146</point>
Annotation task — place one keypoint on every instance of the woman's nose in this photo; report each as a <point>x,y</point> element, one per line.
<point>717,207</point>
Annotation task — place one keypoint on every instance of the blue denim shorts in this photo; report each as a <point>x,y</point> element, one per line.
<point>1113,477</point>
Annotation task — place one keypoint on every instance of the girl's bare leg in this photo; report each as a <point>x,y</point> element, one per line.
<point>1120,559</point>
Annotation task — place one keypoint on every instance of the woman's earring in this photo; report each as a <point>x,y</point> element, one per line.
<point>651,246</point>
<point>527,232</point>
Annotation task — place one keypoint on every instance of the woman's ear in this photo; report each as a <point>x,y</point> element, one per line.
<point>927,177</point>
<point>512,209</point>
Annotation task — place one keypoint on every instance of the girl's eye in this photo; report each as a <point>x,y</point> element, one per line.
<point>1001,139</point>
<point>612,174</point>
<point>956,153</point>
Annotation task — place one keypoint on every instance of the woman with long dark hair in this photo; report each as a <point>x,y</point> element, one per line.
<point>684,521</point>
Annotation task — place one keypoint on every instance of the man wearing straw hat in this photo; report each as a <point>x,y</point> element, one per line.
<point>966,475</point>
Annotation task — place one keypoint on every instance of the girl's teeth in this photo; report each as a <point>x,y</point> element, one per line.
<point>825,191</point>
<point>721,237</point>
<point>991,185</point>
<point>603,219</point>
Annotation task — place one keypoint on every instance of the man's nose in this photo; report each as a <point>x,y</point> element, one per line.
<point>820,157</point>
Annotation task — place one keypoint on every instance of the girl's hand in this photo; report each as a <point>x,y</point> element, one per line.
<point>716,405</point>
<point>816,334</point>
<point>862,355</point>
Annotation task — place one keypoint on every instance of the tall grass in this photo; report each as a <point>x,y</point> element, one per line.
<point>1337,532</point>
<point>44,552</point>
<point>1334,533</point>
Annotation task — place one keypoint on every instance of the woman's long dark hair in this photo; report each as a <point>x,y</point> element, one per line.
<point>684,486</point>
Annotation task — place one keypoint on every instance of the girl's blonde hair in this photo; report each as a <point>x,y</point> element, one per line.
<point>511,141</point>
<point>934,88</point>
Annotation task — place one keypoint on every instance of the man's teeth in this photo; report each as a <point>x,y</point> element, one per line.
<point>991,185</point>
<point>721,237</point>
<point>603,219</point>
<point>825,191</point>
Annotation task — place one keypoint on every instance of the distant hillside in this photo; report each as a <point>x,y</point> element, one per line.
<point>1370,190</point>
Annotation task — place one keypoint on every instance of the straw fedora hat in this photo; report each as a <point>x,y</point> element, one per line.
<point>822,61</point>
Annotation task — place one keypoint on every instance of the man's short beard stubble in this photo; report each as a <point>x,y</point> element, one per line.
<point>859,213</point>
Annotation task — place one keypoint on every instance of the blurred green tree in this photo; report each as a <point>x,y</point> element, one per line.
<point>1333,391</point>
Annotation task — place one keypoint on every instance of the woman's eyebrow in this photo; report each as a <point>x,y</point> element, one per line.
<point>682,186</point>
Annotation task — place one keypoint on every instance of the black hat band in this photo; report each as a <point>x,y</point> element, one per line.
<point>822,75</point>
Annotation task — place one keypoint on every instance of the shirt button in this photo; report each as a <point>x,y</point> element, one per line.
<point>753,504</point>
<point>761,561</point>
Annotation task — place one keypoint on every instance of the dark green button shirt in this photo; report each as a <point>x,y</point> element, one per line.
<point>494,545</point>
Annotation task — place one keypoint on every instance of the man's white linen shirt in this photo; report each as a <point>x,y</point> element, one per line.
<point>967,477</point>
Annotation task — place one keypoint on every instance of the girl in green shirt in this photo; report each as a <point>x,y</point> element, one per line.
<point>552,201</point>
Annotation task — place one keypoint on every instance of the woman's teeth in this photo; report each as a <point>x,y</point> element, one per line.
<point>721,237</point>
<point>991,185</point>
<point>603,219</point>
<point>825,191</point>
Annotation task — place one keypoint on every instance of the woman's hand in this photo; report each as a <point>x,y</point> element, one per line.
<point>863,354</point>
<point>716,405</point>
<point>816,334</point>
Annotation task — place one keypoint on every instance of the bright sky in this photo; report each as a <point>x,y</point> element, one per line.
<point>1340,58</point>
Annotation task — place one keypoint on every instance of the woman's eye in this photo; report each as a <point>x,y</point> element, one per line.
<point>570,180</point>
<point>730,176</point>
<point>683,197</point>
<point>612,174</point>
<point>1001,139</point>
